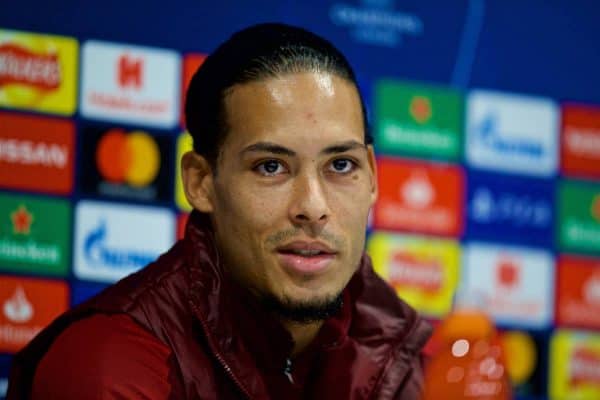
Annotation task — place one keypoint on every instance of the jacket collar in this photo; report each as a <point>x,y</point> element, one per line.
<point>378,324</point>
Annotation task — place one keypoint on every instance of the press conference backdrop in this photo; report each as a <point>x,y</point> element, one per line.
<point>486,116</point>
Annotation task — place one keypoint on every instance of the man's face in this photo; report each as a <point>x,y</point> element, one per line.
<point>294,186</point>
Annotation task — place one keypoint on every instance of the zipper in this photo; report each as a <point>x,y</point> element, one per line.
<point>287,370</point>
<point>219,358</point>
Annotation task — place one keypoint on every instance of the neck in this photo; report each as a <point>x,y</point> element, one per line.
<point>302,333</point>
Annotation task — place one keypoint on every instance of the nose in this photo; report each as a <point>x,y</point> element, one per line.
<point>309,206</point>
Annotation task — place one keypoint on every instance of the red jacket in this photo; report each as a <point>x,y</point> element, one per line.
<point>178,329</point>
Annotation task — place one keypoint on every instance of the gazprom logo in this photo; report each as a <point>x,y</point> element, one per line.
<point>115,240</point>
<point>98,252</point>
<point>512,133</point>
<point>488,133</point>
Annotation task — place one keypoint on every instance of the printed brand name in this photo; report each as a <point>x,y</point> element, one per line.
<point>412,136</point>
<point>19,65</point>
<point>584,142</point>
<point>29,251</point>
<point>487,131</point>
<point>97,253</point>
<point>585,367</point>
<point>411,270</point>
<point>522,209</point>
<point>34,153</point>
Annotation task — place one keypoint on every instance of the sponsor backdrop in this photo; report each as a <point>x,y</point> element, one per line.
<point>487,128</point>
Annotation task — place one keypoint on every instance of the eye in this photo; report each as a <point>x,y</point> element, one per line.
<point>342,165</point>
<point>270,168</point>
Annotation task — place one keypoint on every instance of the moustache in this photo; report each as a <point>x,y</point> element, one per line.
<point>280,237</point>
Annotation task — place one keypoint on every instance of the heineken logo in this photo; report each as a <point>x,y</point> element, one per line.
<point>21,220</point>
<point>595,209</point>
<point>407,124</point>
<point>420,109</point>
<point>579,212</point>
<point>30,250</point>
<point>34,234</point>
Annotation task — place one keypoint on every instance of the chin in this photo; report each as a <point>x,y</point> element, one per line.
<point>305,309</point>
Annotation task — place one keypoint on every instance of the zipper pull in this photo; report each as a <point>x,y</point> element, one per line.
<point>288,370</point>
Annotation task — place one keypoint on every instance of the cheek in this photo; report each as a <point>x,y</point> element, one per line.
<point>250,212</point>
<point>352,203</point>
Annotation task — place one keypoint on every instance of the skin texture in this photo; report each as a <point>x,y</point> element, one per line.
<point>293,167</point>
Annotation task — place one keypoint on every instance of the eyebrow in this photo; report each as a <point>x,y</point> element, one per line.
<point>270,147</point>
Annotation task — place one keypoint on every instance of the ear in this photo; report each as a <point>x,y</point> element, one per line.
<point>198,184</point>
<point>373,168</point>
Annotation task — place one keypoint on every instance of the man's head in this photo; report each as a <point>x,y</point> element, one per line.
<point>283,163</point>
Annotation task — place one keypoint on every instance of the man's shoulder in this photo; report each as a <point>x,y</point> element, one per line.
<point>378,308</point>
<point>104,355</point>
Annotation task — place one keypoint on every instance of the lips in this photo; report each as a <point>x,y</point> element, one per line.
<point>306,257</point>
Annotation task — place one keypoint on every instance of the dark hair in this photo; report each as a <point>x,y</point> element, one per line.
<point>255,53</point>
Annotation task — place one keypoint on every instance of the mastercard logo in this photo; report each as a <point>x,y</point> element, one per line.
<point>128,157</point>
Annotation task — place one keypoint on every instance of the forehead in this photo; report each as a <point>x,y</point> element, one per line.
<point>295,107</point>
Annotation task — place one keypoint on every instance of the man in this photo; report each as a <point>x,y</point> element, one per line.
<point>269,295</point>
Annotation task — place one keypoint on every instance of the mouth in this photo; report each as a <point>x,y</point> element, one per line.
<point>306,257</point>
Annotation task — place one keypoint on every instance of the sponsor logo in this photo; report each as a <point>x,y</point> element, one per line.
<point>376,22</point>
<point>516,209</point>
<point>18,309</point>
<point>578,292</point>
<point>131,158</point>
<point>113,241</point>
<point>420,109</point>
<point>488,133</point>
<point>516,283</point>
<point>423,121</point>
<point>580,151</point>
<point>31,147</point>
<point>191,63</point>
<point>34,235</point>
<point>591,290</point>
<point>38,72</point>
<point>585,367</point>
<point>130,72</point>
<point>512,133</point>
<point>579,225</point>
<point>508,275</point>
<point>574,365</point>
<point>26,152</point>
<point>184,144</point>
<point>127,164</point>
<point>21,219</point>
<point>130,83</point>
<point>417,192</point>
<point>21,66</point>
<point>508,207</point>
<point>423,271</point>
<point>28,305</point>
<point>419,197</point>
<point>595,208</point>
<point>410,270</point>
<point>98,253</point>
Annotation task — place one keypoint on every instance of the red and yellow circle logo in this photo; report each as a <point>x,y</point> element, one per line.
<point>132,158</point>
